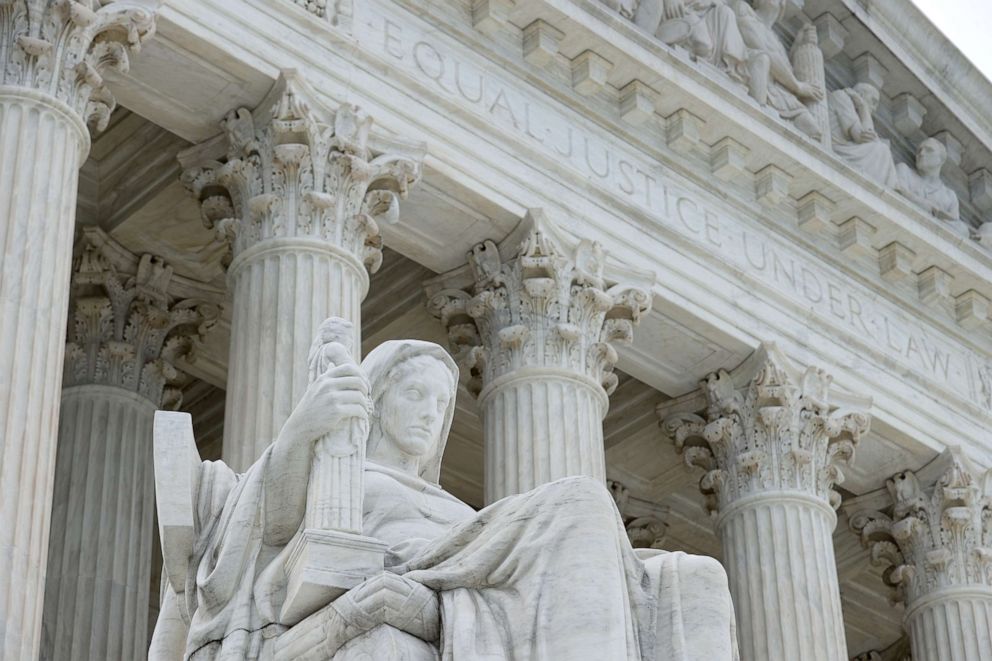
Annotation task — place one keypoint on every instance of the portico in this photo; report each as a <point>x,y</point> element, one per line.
<point>715,226</point>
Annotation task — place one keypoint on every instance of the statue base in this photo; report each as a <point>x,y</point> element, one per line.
<point>323,565</point>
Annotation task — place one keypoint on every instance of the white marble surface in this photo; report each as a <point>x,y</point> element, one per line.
<point>772,443</point>
<point>302,221</point>
<point>534,322</point>
<point>933,538</point>
<point>544,574</point>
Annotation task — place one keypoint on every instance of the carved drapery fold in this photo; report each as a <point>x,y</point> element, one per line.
<point>533,323</point>
<point>298,189</point>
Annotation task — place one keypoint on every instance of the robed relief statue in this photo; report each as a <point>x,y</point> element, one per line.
<point>548,574</point>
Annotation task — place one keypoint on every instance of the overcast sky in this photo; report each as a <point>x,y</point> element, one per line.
<point>968,23</point>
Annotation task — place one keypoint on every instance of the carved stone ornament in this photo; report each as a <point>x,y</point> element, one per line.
<point>128,327</point>
<point>768,427</point>
<point>294,168</point>
<point>932,536</point>
<point>647,531</point>
<point>338,13</point>
<point>62,47</point>
<point>539,302</point>
<point>897,651</point>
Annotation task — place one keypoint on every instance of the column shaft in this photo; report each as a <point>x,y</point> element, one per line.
<point>779,556</point>
<point>41,143</point>
<point>539,427</point>
<point>99,558</point>
<point>956,626</point>
<point>283,290</point>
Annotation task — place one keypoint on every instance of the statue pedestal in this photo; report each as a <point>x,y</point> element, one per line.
<point>323,565</point>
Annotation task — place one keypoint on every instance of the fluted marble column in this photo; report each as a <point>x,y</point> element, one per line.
<point>51,57</point>
<point>770,442</point>
<point>936,540</point>
<point>131,318</point>
<point>298,194</point>
<point>533,321</point>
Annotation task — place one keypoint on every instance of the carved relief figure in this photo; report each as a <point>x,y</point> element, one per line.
<point>707,28</point>
<point>772,81</point>
<point>853,135</point>
<point>548,574</point>
<point>924,186</point>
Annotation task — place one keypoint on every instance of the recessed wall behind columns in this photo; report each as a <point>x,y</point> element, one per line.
<point>729,273</point>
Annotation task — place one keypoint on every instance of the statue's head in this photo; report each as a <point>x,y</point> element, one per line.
<point>869,93</point>
<point>771,6</point>
<point>930,156</point>
<point>413,386</point>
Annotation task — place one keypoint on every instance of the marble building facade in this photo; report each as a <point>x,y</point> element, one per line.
<point>732,259</point>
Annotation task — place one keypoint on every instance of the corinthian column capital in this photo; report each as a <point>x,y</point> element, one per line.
<point>538,300</point>
<point>769,427</point>
<point>61,48</point>
<point>295,168</point>
<point>936,531</point>
<point>132,319</point>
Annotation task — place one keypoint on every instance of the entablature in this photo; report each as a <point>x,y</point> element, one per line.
<point>735,266</point>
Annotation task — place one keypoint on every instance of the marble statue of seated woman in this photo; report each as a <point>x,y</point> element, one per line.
<point>548,574</point>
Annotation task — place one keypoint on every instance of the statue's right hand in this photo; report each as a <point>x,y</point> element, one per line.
<point>339,394</point>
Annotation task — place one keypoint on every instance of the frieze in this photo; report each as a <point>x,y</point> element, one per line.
<point>618,170</point>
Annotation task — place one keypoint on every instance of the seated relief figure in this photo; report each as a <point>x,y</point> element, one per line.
<point>548,574</point>
<point>924,186</point>
<point>706,28</point>
<point>772,80</point>
<point>853,135</point>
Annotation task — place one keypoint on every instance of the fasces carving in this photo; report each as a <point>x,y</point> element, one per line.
<point>542,304</point>
<point>296,169</point>
<point>547,570</point>
<point>778,431</point>
<point>935,536</point>
<point>775,80</point>
<point>852,129</point>
<point>127,329</point>
<point>298,191</point>
<point>60,48</point>
<point>922,183</point>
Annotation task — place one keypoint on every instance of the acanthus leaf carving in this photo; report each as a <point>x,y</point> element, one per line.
<point>934,536</point>
<point>128,330</point>
<point>295,168</point>
<point>542,304</point>
<point>61,48</point>
<point>767,428</point>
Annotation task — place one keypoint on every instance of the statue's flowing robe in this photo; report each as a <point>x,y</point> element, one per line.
<point>547,574</point>
<point>874,158</point>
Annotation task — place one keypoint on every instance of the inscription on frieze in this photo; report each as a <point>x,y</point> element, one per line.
<point>818,292</point>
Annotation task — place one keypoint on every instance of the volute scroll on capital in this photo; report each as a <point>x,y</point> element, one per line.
<point>296,168</point>
<point>935,530</point>
<point>538,299</point>
<point>132,319</point>
<point>766,427</point>
<point>62,48</point>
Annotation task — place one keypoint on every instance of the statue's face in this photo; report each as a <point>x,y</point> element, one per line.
<point>412,409</point>
<point>930,156</point>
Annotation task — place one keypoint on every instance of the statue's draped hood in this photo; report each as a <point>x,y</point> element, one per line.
<point>379,365</point>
